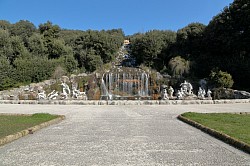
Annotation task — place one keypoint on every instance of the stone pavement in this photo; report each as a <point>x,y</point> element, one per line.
<point>120,135</point>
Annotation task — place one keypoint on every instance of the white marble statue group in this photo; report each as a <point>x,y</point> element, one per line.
<point>167,93</point>
<point>65,94</point>
<point>185,92</point>
<point>202,94</point>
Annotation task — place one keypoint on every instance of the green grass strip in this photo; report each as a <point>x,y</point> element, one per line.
<point>234,125</point>
<point>10,124</point>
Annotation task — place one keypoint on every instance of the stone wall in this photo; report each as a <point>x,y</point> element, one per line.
<point>125,102</point>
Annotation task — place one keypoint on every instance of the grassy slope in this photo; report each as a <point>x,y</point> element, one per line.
<point>234,125</point>
<point>10,124</point>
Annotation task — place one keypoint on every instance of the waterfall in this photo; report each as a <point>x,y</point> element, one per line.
<point>104,88</point>
<point>146,85</point>
<point>142,85</point>
<point>106,83</point>
<point>118,83</point>
<point>123,83</point>
<point>126,83</point>
<point>110,82</point>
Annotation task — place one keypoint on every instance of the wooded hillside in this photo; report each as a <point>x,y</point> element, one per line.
<point>32,54</point>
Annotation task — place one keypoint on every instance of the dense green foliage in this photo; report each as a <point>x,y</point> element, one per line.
<point>93,48</point>
<point>226,43</point>
<point>10,124</point>
<point>30,54</point>
<point>234,125</point>
<point>179,66</point>
<point>221,79</point>
<point>223,44</point>
<point>150,48</point>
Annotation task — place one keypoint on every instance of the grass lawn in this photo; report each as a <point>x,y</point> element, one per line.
<point>234,125</point>
<point>10,124</point>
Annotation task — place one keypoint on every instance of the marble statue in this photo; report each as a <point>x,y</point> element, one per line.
<point>41,95</point>
<point>209,92</point>
<point>66,91</point>
<point>190,89</point>
<point>53,95</point>
<point>186,88</point>
<point>79,95</point>
<point>164,94</point>
<point>75,93</point>
<point>179,94</point>
<point>201,93</point>
<point>64,95</point>
<point>171,91</point>
<point>110,96</point>
<point>85,97</point>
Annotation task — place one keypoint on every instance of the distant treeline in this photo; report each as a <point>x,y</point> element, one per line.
<point>30,54</point>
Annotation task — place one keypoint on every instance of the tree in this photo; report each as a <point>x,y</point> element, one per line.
<point>102,45</point>
<point>89,60</point>
<point>153,44</point>
<point>5,44</point>
<point>189,38</point>
<point>49,30</point>
<point>57,48</point>
<point>93,61</point>
<point>221,79</point>
<point>24,29</point>
<point>179,66</point>
<point>18,49</point>
<point>69,63</point>
<point>6,25</point>
<point>6,73</point>
<point>226,43</point>
<point>69,36</point>
<point>148,48</point>
<point>36,45</point>
<point>33,69</point>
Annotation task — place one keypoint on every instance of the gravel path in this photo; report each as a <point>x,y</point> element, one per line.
<point>120,135</point>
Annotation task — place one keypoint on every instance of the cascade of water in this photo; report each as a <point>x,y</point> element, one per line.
<point>110,83</point>
<point>117,83</point>
<point>125,83</point>
<point>142,85</point>
<point>146,85</point>
<point>106,83</point>
<point>130,84</point>
<point>104,88</point>
<point>140,82</point>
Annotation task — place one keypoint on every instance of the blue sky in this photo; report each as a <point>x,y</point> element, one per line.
<point>131,15</point>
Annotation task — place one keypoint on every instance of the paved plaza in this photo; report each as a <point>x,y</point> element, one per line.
<point>106,135</point>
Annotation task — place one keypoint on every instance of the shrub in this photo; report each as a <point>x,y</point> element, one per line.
<point>223,93</point>
<point>220,79</point>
